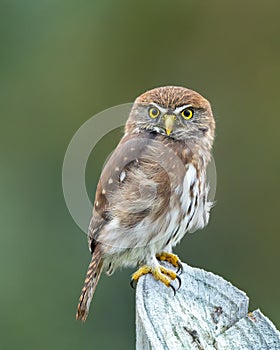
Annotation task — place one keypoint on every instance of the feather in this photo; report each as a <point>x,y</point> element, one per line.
<point>92,278</point>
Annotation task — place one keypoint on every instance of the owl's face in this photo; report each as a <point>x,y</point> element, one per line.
<point>174,112</point>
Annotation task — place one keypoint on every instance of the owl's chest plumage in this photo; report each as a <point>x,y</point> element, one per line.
<point>193,206</point>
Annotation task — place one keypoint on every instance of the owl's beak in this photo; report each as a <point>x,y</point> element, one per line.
<point>169,122</point>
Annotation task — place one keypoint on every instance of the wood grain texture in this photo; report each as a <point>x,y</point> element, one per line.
<point>206,313</point>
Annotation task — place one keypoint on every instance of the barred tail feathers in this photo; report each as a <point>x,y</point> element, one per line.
<point>92,278</point>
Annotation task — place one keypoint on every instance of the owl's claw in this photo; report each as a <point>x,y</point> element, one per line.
<point>133,283</point>
<point>180,267</point>
<point>173,288</point>
<point>179,285</point>
<point>179,281</point>
<point>172,259</point>
<point>159,273</point>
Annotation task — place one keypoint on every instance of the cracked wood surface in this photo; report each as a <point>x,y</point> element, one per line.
<point>206,313</point>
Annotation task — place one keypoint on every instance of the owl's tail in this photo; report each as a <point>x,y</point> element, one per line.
<point>92,278</point>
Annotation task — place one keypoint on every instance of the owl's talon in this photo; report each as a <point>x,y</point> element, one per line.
<point>179,281</point>
<point>180,267</point>
<point>173,288</point>
<point>133,284</point>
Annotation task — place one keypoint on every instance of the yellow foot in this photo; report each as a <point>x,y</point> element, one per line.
<point>172,259</point>
<point>159,273</point>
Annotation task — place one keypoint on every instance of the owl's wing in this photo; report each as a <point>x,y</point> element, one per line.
<point>136,182</point>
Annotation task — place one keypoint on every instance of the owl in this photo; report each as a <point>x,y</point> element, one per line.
<point>153,189</point>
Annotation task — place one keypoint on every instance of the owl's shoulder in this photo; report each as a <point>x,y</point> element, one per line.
<point>130,148</point>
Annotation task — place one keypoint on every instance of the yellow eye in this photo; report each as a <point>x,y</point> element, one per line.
<point>154,112</point>
<point>187,113</point>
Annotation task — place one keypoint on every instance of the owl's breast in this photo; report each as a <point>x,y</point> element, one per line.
<point>193,205</point>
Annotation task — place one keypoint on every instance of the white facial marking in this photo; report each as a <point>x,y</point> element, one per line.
<point>159,130</point>
<point>181,108</point>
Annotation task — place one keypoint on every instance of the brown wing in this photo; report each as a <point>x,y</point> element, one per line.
<point>136,181</point>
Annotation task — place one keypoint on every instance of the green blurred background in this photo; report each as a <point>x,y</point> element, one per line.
<point>64,61</point>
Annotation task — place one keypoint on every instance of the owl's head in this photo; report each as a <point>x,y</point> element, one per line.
<point>174,112</point>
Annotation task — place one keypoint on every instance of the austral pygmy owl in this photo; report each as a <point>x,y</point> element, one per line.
<point>153,190</point>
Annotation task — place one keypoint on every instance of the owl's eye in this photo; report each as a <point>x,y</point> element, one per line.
<point>187,113</point>
<point>154,112</point>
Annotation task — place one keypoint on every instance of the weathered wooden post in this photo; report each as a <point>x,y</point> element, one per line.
<point>206,313</point>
